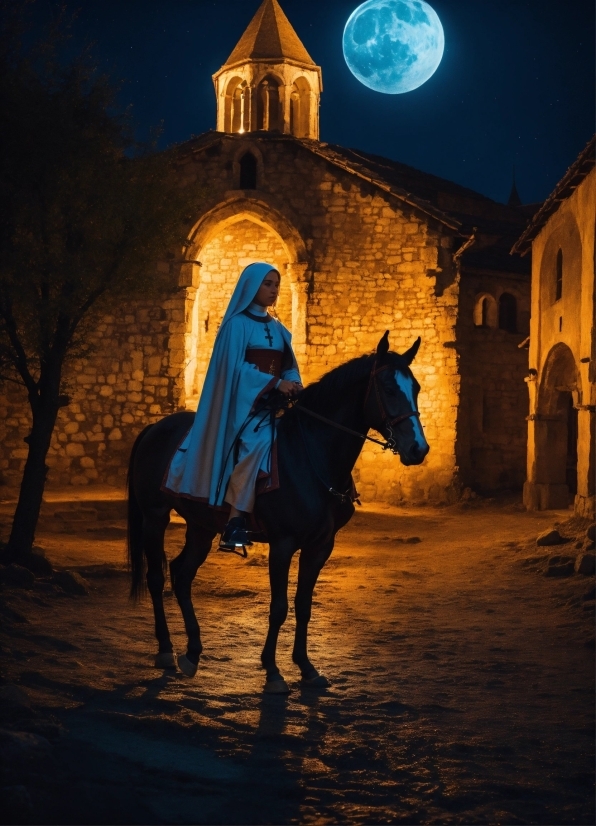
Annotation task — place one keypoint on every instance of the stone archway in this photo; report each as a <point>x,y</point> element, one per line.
<point>555,431</point>
<point>225,241</point>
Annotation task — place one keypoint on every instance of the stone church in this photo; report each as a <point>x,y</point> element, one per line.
<point>363,244</point>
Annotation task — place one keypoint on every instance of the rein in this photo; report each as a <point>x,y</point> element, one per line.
<point>384,445</point>
<point>389,444</point>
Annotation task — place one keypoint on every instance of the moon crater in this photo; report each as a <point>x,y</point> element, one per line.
<point>393,46</point>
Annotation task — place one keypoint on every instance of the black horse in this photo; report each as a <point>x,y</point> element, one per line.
<point>316,456</point>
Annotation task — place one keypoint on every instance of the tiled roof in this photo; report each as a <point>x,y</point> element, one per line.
<point>468,207</point>
<point>495,226</point>
<point>566,187</point>
<point>269,36</point>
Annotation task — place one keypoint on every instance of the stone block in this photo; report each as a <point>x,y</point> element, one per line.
<point>71,582</point>
<point>585,564</point>
<point>550,537</point>
<point>74,449</point>
<point>154,365</point>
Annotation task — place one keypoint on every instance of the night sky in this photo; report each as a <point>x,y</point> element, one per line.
<point>515,87</point>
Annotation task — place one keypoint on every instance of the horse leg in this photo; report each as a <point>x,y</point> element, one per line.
<point>310,566</point>
<point>280,557</point>
<point>153,539</point>
<point>183,570</point>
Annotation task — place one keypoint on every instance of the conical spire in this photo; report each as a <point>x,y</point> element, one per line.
<point>270,36</point>
<point>514,199</point>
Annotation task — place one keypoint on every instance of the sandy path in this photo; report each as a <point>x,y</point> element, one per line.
<point>462,685</point>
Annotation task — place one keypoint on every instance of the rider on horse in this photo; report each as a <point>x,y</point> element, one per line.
<point>231,439</point>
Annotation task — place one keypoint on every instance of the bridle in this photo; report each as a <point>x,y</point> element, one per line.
<point>390,444</point>
<point>387,422</point>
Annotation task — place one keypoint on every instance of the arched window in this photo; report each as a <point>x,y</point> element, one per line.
<point>295,113</point>
<point>559,276</point>
<point>237,106</point>
<point>485,311</point>
<point>268,106</point>
<point>300,108</point>
<point>237,110</point>
<point>508,313</point>
<point>248,171</point>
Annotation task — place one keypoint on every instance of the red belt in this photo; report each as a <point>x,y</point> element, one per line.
<point>267,361</point>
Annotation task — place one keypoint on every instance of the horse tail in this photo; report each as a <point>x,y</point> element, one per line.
<point>134,543</point>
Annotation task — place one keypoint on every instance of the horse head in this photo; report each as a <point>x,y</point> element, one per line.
<point>391,406</point>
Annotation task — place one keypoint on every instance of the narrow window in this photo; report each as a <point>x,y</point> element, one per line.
<point>559,282</point>
<point>508,313</point>
<point>248,171</point>
<point>485,311</point>
<point>268,106</point>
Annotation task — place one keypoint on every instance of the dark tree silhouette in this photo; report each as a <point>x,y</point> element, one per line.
<point>85,215</point>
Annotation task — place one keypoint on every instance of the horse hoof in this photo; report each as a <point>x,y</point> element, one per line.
<point>320,681</point>
<point>188,668</point>
<point>276,687</point>
<point>165,660</point>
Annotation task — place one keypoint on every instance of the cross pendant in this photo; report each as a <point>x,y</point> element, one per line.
<point>268,335</point>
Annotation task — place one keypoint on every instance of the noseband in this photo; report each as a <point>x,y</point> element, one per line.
<point>387,422</point>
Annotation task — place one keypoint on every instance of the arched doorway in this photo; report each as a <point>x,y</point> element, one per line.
<point>226,241</point>
<point>557,427</point>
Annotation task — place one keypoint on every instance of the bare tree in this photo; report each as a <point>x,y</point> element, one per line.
<point>85,215</point>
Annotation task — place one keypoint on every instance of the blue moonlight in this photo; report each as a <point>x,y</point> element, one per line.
<point>394,46</point>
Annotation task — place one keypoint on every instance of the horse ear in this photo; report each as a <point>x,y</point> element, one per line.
<point>411,353</point>
<point>383,347</point>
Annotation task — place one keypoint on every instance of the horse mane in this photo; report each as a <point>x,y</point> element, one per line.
<point>322,396</point>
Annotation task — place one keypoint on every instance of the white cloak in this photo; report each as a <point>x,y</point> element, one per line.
<point>202,465</point>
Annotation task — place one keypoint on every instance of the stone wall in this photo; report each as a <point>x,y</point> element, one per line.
<point>492,427</point>
<point>126,384</point>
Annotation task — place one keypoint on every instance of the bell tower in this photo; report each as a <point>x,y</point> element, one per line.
<point>269,82</point>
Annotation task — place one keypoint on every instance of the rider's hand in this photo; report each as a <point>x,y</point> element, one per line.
<point>289,388</point>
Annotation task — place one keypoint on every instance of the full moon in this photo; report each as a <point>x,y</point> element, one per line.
<point>393,46</point>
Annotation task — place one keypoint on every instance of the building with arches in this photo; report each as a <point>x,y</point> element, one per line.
<point>269,82</point>
<point>561,465</point>
<point>363,244</point>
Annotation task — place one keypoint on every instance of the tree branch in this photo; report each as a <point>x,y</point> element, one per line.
<point>19,355</point>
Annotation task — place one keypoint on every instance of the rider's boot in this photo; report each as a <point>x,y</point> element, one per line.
<point>235,535</point>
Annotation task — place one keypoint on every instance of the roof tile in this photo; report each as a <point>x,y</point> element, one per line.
<point>269,35</point>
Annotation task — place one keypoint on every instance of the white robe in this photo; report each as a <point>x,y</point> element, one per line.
<point>254,447</point>
<point>203,464</point>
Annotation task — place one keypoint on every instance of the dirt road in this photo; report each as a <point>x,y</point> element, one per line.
<point>462,685</point>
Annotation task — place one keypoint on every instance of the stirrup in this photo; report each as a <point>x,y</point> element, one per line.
<point>234,538</point>
<point>228,549</point>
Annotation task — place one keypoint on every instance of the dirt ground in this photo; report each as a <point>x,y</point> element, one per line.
<point>462,681</point>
